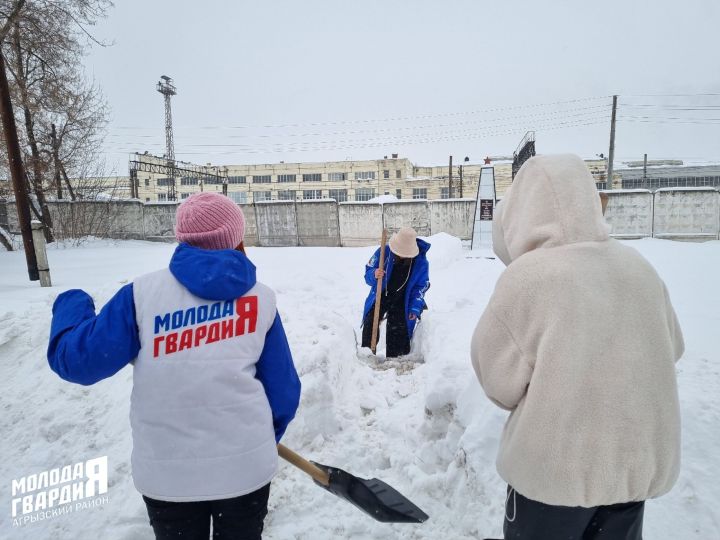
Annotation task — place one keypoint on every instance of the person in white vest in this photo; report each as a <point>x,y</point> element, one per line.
<point>214,384</point>
<point>579,342</point>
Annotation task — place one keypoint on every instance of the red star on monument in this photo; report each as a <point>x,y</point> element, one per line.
<point>487,160</point>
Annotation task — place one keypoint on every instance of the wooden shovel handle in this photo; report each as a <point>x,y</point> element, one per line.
<point>378,295</point>
<point>304,465</point>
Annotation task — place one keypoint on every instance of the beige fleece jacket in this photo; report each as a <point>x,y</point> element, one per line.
<point>579,341</point>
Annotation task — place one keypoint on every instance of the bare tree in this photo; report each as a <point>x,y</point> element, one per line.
<point>9,13</point>
<point>62,116</point>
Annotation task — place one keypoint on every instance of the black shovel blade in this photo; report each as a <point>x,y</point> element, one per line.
<point>374,497</point>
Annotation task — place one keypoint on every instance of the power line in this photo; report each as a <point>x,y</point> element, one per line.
<point>392,119</point>
<point>672,95</point>
<point>380,143</point>
<point>671,120</point>
<point>554,114</point>
<point>383,140</point>
<point>387,139</point>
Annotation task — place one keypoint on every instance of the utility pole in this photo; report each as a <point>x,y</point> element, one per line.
<point>17,172</point>
<point>133,179</point>
<point>460,170</point>
<point>611,154</point>
<point>167,89</point>
<point>461,175</point>
<point>450,193</point>
<point>645,170</point>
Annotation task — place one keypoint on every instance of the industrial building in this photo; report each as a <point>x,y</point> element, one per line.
<point>357,180</point>
<point>665,174</point>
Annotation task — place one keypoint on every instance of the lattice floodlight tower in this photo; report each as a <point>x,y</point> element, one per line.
<point>167,89</point>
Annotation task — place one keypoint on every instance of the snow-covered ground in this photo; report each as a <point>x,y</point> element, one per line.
<point>429,431</point>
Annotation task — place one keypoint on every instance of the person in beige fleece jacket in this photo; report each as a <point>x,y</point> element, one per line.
<point>579,342</point>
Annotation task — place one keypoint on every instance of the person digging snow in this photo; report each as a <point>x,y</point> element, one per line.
<point>579,342</point>
<point>214,385</point>
<point>405,282</point>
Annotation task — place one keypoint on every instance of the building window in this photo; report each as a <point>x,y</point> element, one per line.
<point>184,195</point>
<point>236,180</point>
<point>163,181</point>
<point>365,175</point>
<point>147,182</point>
<point>312,194</point>
<point>162,197</point>
<point>259,196</point>
<point>364,194</point>
<point>337,176</point>
<point>444,192</point>
<point>287,194</point>
<point>188,181</point>
<point>238,197</point>
<point>147,199</point>
<point>340,195</point>
<point>398,193</point>
<point>212,180</point>
<point>262,179</point>
<point>386,173</point>
<point>286,178</point>
<point>398,173</point>
<point>312,177</point>
<point>419,193</point>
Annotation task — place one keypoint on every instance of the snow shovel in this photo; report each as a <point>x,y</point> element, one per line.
<point>374,497</point>
<point>378,295</point>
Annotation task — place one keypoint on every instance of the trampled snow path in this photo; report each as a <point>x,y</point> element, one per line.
<point>429,431</point>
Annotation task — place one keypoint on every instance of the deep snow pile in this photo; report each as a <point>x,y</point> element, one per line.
<point>428,431</point>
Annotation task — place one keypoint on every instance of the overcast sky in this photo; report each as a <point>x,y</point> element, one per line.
<point>308,80</point>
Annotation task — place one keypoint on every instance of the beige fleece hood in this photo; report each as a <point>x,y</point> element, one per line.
<point>579,342</point>
<point>552,202</point>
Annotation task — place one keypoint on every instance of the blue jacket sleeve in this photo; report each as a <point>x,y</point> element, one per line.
<point>370,268</point>
<point>86,348</point>
<point>276,371</point>
<point>417,295</point>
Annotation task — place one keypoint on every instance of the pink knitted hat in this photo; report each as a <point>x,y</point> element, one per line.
<point>210,221</point>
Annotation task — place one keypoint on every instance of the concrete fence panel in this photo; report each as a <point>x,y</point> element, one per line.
<point>276,223</point>
<point>674,213</point>
<point>125,220</point>
<point>159,221</point>
<point>687,213</point>
<point>91,218</point>
<point>317,223</point>
<point>61,214</point>
<point>251,232</point>
<point>453,217</point>
<point>630,213</point>
<point>415,214</point>
<point>13,225</point>
<point>360,223</point>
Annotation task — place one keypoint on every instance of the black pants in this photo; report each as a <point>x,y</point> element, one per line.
<point>396,334</point>
<point>531,520</point>
<point>240,518</point>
